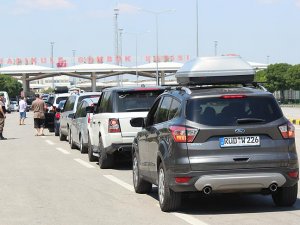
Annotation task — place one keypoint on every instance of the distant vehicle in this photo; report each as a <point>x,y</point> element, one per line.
<point>69,110</point>
<point>81,124</point>
<point>14,106</point>
<point>59,108</point>
<point>6,101</point>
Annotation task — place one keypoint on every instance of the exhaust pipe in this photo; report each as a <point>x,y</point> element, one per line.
<point>207,190</point>
<point>273,187</point>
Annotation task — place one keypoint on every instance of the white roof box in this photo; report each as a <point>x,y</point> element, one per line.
<point>215,70</point>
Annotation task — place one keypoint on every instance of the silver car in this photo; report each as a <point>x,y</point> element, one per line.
<point>80,124</point>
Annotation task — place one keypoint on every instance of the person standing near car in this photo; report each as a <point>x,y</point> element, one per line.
<point>22,110</point>
<point>38,106</point>
<point>2,116</point>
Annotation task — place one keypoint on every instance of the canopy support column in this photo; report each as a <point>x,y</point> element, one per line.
<point>93,80</point>
<point>162,73</point>
<point>25,84</point>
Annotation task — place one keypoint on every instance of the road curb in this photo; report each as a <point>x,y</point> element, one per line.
<point>295,121</point>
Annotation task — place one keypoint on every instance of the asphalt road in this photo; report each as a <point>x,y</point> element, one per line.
<point>43,181</point>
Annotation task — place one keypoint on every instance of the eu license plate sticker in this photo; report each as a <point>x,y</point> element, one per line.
<point>239,141</point>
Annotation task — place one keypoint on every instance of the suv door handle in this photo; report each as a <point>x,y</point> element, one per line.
<point>99,122</point>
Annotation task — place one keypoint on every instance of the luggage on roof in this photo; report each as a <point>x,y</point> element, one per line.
<point>215,70</point>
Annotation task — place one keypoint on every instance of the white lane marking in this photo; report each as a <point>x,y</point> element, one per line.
<point>83,163</point>
<point>119,182</point>
<point>189,219</point>
<point>49,142</point>
<point>63,151</point>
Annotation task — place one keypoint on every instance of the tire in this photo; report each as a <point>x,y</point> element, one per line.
<point>285,196</point>
<point>140,186</point>
<point>106,161</point>
<point>61,136</point>
<point>69,134</point>
<point>92,158</point>
<point>72,144</point>
<point>168,199</point>
<point>82,148</point>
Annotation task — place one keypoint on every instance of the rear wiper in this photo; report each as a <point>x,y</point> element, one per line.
<point>249,120</point>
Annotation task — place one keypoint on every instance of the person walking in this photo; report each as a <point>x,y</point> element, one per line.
<point>22,110</point>
<point>38,106</point>
<point>2,116</point>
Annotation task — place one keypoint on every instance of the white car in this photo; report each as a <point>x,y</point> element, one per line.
<point>14,106</point>
<point>110,131</point>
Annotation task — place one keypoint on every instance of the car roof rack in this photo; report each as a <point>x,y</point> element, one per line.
<point>215,70</point>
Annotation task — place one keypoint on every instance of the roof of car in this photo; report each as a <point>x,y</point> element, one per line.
<point>218,90</point>
<point>136,88</point>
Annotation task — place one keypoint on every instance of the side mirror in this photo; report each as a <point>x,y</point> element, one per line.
<point>71,115</point>
<point>89,109</point>
<point>58,110</point>
<point>137,122</point>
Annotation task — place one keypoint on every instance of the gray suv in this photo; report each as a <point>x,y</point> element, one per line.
<point>215,140</point>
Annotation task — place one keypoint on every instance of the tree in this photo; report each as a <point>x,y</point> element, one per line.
<point>277,78</point>
<point>293,77</point>
<point>260,76</point>
<point>10,85</point>
<point>48,90</point>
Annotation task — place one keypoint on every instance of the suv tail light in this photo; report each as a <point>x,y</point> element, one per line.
<point>287,130</point>
<point>114,125</point>
<point>182,134</point>
<point>57,116</point>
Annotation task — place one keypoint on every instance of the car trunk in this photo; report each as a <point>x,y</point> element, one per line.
<point>241,133</point>
<point>126,129</point>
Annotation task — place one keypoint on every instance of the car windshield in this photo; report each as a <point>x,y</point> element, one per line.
<point>136,101</point>
<point>50,100</point>
<point>228,112</point>
<point>59,99</point>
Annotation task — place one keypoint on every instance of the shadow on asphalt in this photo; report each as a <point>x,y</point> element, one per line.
<point>218,204</point>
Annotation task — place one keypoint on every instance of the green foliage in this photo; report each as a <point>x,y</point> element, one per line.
<point>48,90</point>
<point>276,76</point>
<point>10,85</point>
<point>260,76</point>
<point>293,77</point>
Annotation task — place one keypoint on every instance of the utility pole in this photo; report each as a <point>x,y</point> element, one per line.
<point>116,13</point>
<point>52,61</point>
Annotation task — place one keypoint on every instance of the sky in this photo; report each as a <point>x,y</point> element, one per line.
<point>258,30</point>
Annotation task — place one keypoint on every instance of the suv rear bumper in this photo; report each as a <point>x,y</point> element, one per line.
<point>233,181</point>
<point>124,147</point>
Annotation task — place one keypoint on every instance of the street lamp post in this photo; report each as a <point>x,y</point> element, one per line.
<point>156,14</point>
<point>52,61</point>
<point>216,48</point>
<point>136,34</point>
<point>197,30</point>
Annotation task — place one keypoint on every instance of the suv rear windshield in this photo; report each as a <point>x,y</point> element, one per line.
<point>136,101</point>
<point>226,112</point>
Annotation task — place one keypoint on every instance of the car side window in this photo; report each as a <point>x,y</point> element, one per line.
<point>152,112</point>
<point>174,109</point>
<point>70,103</point>
<point>79,110</point>
<point>105,105</point>
<point>162,112</point>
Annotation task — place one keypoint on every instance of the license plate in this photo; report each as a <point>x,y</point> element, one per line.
<point>239,141</point>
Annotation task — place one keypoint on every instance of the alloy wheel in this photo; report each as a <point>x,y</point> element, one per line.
<point>161,185</point>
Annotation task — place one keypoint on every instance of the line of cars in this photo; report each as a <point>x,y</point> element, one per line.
<point>221,138</point>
